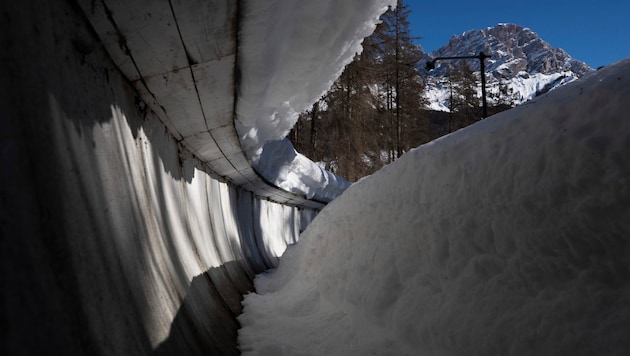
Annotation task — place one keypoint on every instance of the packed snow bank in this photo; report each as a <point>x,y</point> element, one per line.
<point>294,172</point>
<point>290,53</point>
<point>509,237</point>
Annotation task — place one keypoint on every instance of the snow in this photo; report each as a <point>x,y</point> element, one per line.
<point>509,237</point>
<point>524,87</point>
<point>290,53</point>
<point>296,173</point>
<point>528,86</point>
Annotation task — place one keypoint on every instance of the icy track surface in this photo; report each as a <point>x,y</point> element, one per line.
<point>510,237</point>
<point>290,53</point>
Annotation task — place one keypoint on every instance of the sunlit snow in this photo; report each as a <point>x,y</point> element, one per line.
<point>290,53</point>
<point>509,237</point>
<point>522,88</point>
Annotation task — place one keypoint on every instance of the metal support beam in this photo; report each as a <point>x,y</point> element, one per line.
<point>482,56</point>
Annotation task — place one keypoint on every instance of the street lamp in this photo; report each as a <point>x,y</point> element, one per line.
<point>482,56</point>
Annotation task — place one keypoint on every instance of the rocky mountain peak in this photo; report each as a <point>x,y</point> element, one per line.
<point>519,59</point>
<point>513,49</point>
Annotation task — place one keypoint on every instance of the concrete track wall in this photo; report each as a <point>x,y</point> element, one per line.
<point>114,239</point>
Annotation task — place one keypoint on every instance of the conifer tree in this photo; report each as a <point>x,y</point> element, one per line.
<point>346,124</point>
<point>375,106</point>
<point>467,104</point>
<point>401,84</point>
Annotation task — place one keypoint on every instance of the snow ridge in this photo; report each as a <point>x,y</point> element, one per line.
<point>290,53</point>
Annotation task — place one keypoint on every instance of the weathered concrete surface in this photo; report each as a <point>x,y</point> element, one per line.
<point>181,57</point>
<point>114,239</point>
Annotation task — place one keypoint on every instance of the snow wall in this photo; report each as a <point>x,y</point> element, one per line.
<point>114,239</point>
<point>507,237</point>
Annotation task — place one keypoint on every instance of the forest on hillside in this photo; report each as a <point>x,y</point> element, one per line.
<point>376,110</point>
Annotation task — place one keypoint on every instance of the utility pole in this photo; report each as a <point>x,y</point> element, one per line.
<point>482,65</point>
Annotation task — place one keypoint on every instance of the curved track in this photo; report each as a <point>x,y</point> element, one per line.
<point>131,221</point>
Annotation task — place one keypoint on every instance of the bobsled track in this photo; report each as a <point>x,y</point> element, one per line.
<point>132,222</point>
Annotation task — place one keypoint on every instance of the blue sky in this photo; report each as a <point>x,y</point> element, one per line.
<point>595,32</point>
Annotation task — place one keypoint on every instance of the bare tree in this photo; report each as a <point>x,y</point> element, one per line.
<point>374,109</point>
<point>401,83</point>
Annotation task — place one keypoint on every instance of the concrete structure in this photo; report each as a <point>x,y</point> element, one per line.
<point>131,222</point>
<point>181,57</point>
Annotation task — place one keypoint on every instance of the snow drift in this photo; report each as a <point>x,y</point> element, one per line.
<point>290,53</point>
<point>509,237</point>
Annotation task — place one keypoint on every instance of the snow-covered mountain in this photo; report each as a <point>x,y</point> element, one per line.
<point>521,65</point>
